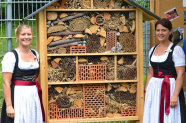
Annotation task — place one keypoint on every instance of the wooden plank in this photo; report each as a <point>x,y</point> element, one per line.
<point>115,67</point>
<point>94,119</point>
<point>42,50</point>
<point>91,82</point>
<point>93,54</point>
<point>79,10</point>
<point>140,84</point>
<point>77,70</point>
<point>92,4</point>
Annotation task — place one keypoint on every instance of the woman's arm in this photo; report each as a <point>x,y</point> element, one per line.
<point>179,83</point>
<point>149,75</point>
<point>7,76</point>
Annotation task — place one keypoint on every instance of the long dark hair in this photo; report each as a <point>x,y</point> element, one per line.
<point>166,23</point>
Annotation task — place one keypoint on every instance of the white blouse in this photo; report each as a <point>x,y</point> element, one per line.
<point>178,56</point>
<point>9,60</point>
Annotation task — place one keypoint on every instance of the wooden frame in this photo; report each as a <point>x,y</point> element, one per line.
<point>42,37</point>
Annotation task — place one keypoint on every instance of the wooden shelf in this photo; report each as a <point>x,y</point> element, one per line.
<point>134,118</point>
<point>67,10</point>
<point>92,82</point>
<point>94,54</point>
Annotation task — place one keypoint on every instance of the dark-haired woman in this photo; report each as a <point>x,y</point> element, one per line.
<point>19,67</point>
<point>164,98</point>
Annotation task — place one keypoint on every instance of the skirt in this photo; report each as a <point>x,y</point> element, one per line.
<point>26,105</point>
<point>152,103</point>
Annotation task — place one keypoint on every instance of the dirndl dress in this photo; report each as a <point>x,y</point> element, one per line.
<point>25,98</point>
<point>155,109</point>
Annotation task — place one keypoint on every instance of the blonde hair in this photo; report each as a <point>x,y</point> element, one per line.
<point>20,27</point>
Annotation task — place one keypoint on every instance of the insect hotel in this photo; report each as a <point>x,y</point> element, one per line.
<point>91,60</point>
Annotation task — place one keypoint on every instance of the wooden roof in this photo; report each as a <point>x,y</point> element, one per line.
<point>147,15</point>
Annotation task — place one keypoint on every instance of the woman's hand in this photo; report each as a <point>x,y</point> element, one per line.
<point>10,111</point>
<point>174,101</point>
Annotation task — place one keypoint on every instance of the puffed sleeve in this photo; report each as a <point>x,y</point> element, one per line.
<point>178,56</point>
<point>150,54</point>
<point>8,62</point>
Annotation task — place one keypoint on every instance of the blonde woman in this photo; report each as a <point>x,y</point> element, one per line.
<point>22,101</point>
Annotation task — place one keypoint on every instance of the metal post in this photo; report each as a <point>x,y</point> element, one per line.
<point>9,26</point>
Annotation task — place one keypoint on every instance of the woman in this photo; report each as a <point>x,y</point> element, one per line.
<point>19,67</point>
<point>164,98</point>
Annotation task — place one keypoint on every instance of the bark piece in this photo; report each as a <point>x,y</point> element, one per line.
<point>88,31</point>
<point>123,20</point>
<point>94,28</point>
<point>61,23</point>
<point>50,39</point>
<point>92,20</point>
<point>64,41</point>
<point>104,58</point>
<point>102,41</point>
<point>57,60</point>
<point>122,88</point>
<point>56,28</point>
<point>82,60</point>
<point>54,64</point>
<point>78,36</point>
<point>63,4</point>
<point>51,16</point>
<point>62,15</point>
<point>106,15</point>
<point>133,26</point>
<point>59,89</point>
<point>56,38</point>
<point>79,103</point>
<point>123,28</point>
<point>121,61</point>
<point>85,4</point>
<point>109,87</point>
<point>65,45</point>
<point>132,89</point>
<point>65,33</point>
<point>102,32</point>
<point>109,115</point>
<point>70,17</point>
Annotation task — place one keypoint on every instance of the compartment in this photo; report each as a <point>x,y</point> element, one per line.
<point>126,67</point>
<point>65,101</point>
<point>92,100</point>
<point>61,69</point>
<point>96,68</point>
<point>121,99</point>
<point>99,32</point>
